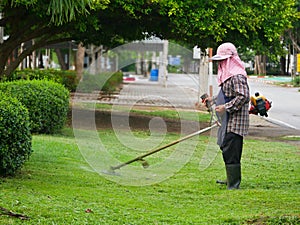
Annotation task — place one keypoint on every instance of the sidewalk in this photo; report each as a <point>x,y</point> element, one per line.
<point>143,92</point>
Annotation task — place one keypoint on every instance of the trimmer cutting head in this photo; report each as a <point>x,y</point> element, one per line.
<point>110,171</point>
<point>145,164</point>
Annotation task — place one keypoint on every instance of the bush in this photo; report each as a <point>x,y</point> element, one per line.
<point>107,82</point>
<point>113,82</point>
<point>47,103</point>
<point>15,136</point>
<point>65,77</point>
<point>296,81</point>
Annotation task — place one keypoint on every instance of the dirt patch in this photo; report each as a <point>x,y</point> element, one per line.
<point>272,132</point>
<point>286,219</point>
<point>122,120</point>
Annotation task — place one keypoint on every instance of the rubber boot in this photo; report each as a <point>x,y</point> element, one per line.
<point>233,172</point>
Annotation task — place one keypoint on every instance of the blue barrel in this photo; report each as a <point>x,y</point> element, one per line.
<point>154,75</point>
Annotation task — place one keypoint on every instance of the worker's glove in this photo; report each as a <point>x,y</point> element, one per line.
<point>205,101</point>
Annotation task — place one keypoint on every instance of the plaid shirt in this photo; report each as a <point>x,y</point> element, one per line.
<point>236,88</point>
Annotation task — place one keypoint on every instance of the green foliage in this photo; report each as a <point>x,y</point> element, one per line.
<point>15,136</point>
<point>113,82</point>
<point>61,11</point>
<point>107,82</point>
<point>65,11</point>
<point>296,81</point>
<point>258,25</point>
<point>27,3</point>
<point>46,101</point>
<point>64,77</point>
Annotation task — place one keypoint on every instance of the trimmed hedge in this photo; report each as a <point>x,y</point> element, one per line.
<point>47,103</point>
<point>15,136</point>
<point>65,77</point>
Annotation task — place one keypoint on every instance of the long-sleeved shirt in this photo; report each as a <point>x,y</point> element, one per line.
<point>236,88</point>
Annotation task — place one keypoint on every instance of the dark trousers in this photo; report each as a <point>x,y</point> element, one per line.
<point>232,148</point>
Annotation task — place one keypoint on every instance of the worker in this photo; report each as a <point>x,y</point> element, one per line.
<point>232,105</point>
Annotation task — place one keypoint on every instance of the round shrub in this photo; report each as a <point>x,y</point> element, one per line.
<point>15,136</point>
<point>296,81</point>
<point>47,103</point>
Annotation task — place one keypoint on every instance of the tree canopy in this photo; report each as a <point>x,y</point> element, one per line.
<point>254,24</point>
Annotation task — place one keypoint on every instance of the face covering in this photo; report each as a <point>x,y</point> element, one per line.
<point>230,67</point>
<point>230,63</point>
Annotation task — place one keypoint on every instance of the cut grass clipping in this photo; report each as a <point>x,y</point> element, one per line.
<point>57,186</point>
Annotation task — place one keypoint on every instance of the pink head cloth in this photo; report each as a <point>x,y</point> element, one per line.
<point>230,63</point>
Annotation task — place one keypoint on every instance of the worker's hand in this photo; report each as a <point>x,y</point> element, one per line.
<point>207,102</point>
<point>220,109</point>
<point>209,99</point>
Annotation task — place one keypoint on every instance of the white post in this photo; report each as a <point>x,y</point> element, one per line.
<point>203,75</point>
<point>153,66</point>
<point>160,67</point>
<point>197,55</point>
<point>200,85</point>
<point>165,61</point>
<point>210,72</point>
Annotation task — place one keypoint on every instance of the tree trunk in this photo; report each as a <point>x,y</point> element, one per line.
<point>294,41</point>
<point>260,65</point>
<point>264,64</point>
<point>61,59</point>
<point>283,65</point>
<point>256,65</point>
<point>79,61</point>
<point>6,51</point>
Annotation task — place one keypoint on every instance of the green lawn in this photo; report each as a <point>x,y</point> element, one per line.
<point>57,186</point>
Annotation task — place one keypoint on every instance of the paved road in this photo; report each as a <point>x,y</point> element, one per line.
<point>286,100</point>
<point>182,91</point>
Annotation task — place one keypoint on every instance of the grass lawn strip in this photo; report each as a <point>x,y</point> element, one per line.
<point>57,186</point>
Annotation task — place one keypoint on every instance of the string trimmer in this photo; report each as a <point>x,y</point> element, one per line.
<point>145,164</point>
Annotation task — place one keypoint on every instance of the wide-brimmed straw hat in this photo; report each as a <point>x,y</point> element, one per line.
<point>225,51</point>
